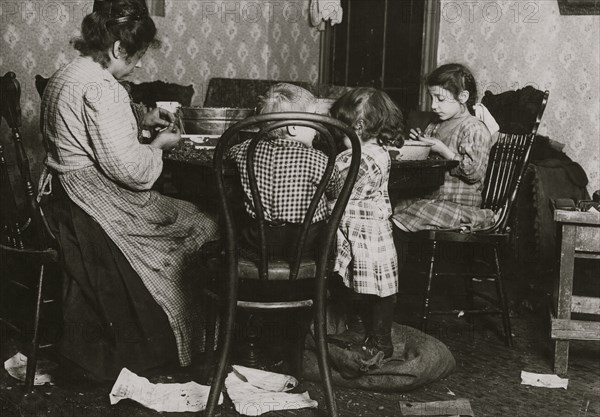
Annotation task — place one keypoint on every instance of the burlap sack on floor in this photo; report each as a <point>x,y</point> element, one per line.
<point>418,359</point>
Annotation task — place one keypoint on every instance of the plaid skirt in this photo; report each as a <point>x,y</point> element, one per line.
<point>161,239</point>
<point>366,256</point>
<point>110,319</point>
<point>413,215</point>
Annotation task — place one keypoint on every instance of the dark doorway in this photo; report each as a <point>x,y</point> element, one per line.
<point>379,43</point>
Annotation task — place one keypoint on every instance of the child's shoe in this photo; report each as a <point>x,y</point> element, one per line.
<point>378,343</point>
<point>354,335</point>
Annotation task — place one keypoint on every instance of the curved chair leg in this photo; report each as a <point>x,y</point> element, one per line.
<point>427,297</point>
<point>209,343</point>
<point>503,301</point>
<point>32,360</point>
<point>322,353</point>
<point>226,336</point>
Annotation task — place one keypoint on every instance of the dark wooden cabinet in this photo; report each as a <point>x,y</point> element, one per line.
<point>379,43</point>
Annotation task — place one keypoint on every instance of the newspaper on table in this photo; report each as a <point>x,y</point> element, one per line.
<point>264,391</point>
<point>188,397</point>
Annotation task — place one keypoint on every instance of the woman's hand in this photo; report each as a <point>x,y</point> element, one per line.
<point>167,138</point>
<point>158,118</point>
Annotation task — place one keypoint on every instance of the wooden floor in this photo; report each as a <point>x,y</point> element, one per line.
<point>487,373</point>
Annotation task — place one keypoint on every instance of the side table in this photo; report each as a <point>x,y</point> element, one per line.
<point>580,239</point>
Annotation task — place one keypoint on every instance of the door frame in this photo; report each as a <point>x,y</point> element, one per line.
<point>429,49</point>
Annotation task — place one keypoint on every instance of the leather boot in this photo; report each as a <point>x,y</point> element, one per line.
<point>381,337</point>
<point>356,330</point>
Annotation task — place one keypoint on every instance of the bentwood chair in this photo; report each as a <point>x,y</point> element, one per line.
<point>507,162</point>
<point>25,239</point>
<point>237,271</point>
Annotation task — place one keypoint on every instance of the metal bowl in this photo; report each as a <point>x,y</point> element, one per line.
<point>411,151</point>
<point>211,120</point>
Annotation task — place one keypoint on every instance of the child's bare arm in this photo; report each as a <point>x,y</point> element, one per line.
<point>438,147</point>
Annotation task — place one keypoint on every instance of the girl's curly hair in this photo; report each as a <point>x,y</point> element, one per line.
<point>382,119</point>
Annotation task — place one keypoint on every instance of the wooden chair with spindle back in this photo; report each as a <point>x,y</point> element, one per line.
<point>506,165</point>
<point>25,238</point>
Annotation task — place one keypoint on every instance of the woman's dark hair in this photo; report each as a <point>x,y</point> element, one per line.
<point>455,78</point>
<point>126,21</point>
<point>381,117</point>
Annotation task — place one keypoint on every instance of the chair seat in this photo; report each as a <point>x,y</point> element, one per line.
<point>279,270</point>
<point>457,236</point>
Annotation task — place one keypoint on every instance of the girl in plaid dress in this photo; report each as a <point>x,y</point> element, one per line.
<point>366,257</point>
<point>460,136</point>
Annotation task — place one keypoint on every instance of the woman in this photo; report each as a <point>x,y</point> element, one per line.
<point>126,249</point>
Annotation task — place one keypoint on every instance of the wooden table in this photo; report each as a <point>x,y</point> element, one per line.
<point>580,239</point>
<point>407,178</point>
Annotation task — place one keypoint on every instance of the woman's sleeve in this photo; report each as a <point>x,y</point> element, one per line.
<point>139,111</point>
<point>113,135</point>
<point>474,146</point>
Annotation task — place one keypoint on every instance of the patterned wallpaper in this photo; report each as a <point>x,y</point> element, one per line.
<point>510,44</point>
<point>200,39</point>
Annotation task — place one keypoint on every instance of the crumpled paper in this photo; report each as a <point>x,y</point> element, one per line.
<point>543,380</point>
<point>265,391</point>
<point>188,397</point>
<point>16,366</point>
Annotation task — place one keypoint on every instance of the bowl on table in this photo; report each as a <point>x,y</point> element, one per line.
<point>211,120</point>
<point>412,150</point>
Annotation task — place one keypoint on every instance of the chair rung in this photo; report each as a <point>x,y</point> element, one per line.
<point>275,305</point>
<point>485,297</point>
<point>458,311</point>
<point>473,275</point>
<point>20,285</point>
<point>46,346</point>
<point>10,324</point>
<point>465,275</point>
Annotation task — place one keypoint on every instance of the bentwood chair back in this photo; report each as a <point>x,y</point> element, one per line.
<point>506,165</point>
<point>25,239</point>
<point>269,270</point>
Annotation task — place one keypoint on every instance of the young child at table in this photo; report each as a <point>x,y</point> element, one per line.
<point>366,256</point>
<point>457,135</point>
<point>287,153</point>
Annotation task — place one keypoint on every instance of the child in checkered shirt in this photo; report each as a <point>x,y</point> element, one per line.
<point>366,255</point>
<point>288,171</point>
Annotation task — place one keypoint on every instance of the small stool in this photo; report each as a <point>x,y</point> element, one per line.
<point>580,239</point>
